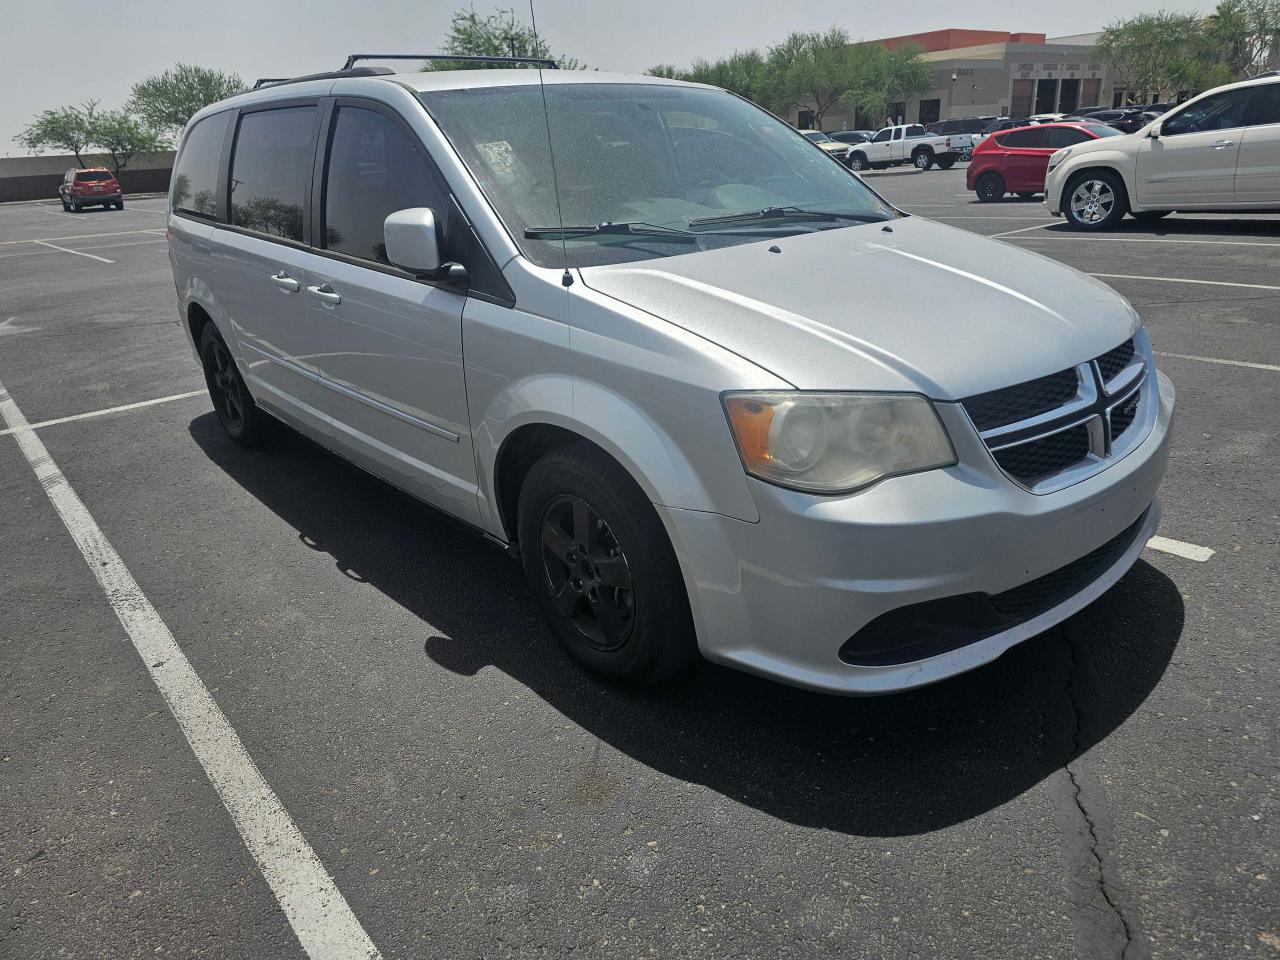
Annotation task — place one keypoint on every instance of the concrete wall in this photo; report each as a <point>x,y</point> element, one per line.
<point>37,178</point>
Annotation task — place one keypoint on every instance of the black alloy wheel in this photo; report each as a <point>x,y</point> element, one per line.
<point>240,417</point>
<point>587,573</point>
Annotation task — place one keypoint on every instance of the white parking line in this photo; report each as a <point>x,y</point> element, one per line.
<point>80,236</point>
<point>319,914</point>
<point>102,413</point>
<point>78,253</point>
<point>100,246</point>
<point>1208,283</point>
<point>1211,243</point>
<point>1229,363</point>
<point>1188,551</point>
<point>1010,233</point>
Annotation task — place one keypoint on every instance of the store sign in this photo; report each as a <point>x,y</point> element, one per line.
<point>1065,70</point>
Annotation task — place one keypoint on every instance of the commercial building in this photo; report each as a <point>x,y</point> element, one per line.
<point>994,73</point>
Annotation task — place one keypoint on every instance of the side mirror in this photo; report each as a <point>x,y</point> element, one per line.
<point>1154,131</point>
<point>413,240</point>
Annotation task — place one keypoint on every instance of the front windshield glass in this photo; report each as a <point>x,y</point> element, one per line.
<point>817,136</point>
<point>662,159</point>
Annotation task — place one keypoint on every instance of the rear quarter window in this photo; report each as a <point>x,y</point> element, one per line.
<point>195,176</point>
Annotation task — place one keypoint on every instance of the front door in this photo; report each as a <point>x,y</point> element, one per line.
<point>1258,166</point>
<point>388,345</point>
<point>1193,161</point>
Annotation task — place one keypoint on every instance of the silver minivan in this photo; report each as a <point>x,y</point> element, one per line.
<point>652,340</point>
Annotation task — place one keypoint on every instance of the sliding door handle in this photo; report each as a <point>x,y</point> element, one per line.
<point>326,293</point>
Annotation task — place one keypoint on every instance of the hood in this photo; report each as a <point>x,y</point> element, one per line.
<point>920,307</point>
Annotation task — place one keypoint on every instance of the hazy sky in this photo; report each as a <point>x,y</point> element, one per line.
<point>57,53</point>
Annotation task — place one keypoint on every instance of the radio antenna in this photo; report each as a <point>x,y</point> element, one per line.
<point>566,279</point>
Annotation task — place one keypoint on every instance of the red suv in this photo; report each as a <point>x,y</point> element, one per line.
<point>82,188</point>
<point>1015,161</point>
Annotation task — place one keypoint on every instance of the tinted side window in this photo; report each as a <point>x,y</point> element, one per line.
<point>269,170</point>
<point>1266,105</point>
<point>1065,136</point>
<point>972,126</point>
<point>1030,137</point>
<point>1222,111</point>
<point>915,131</point>
<point>195,176</point>
<point>882,136</point>
<point>375,168</point>
<point>945,127</point>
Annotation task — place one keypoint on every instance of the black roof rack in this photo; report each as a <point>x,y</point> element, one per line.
<point>330,75</point>
<point>545,63</point>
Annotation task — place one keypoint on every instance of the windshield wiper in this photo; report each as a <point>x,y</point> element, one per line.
<point>775,213</point>
<point>629,228</point>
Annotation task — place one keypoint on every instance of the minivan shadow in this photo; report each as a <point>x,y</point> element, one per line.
<point>886,766</point>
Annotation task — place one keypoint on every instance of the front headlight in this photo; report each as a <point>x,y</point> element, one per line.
<point>1057,158</point>
<point>836,442</point>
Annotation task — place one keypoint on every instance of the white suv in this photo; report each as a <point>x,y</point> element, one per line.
<point>1218,152</point>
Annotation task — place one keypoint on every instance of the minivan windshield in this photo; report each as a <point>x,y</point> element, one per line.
<point>644,170</point>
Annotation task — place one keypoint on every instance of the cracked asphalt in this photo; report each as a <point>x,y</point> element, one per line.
<point>1108,789</point>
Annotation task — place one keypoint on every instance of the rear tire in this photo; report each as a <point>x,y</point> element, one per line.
<point>75,207</point>
<point>66,206</point>
<point>990,188</point>
<point>947,164</point>
<point>119,204</point>
<point>245,424</point>
<point>1026,194</point>
<point>922,159</point>
<point>1150,216</point>
<point>601,568</point>
<point>1095,200</point>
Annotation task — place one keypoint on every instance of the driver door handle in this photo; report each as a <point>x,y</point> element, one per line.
<point>326,293</point>
<point>285,282</point>
<point>1222,144</point>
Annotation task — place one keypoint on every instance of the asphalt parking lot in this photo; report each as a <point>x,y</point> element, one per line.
<point>1109,789</point>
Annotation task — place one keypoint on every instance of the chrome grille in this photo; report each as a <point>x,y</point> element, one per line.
<point>1050,432</point>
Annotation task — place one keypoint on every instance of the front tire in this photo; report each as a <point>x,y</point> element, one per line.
<point>858,161</point>
<point>922,159</point>
<point>245,424</point>
<point>601,568</point>
<point>1095,200</point>
<point>990,188</point>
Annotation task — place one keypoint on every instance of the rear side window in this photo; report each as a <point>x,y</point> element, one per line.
<point>195,176</point>
<point>1031,137</point>
<point>270,168</point>
<point>1065,137</point>
<point>915,131</point>
<point>375,168</point>
<point>88,176</point>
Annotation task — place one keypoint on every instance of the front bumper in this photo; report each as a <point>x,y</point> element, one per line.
<point>780,597</point>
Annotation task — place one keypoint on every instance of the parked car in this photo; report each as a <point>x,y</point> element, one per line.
<point>903,143</point>
<point>666,406</point>
<point>1138,119</point>
<point>90,186</point>
<point>965,133</point>
<point>1015,161</point>
<point>1216,152</point>
<point>834,148</point>
<point>1008,124</point>
<point>852,136</point>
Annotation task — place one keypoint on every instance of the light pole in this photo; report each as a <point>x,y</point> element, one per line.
<point>952,102</point>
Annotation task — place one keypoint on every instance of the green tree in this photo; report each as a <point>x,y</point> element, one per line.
<point>883,77</point>
<point>813,71</point>
<point>168,100</point>
<point>66,128</point>
<point>1246,36</point>
<point>500,34</point>
<point>123,138</point>
<point>1163,54</point>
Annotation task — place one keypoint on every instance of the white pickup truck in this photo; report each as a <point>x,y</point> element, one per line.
<point>905,143</point>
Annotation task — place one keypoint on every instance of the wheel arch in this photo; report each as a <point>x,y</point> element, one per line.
<point>1098,165</point>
